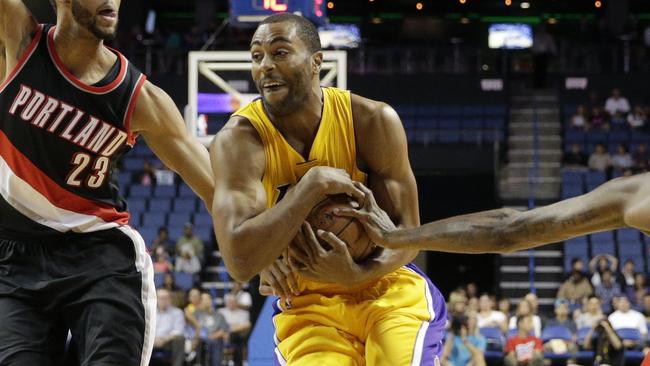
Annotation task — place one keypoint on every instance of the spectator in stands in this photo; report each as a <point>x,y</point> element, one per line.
<point>575,288</point>
<point>505,306</point>
<point>162,262</point>
<point>146,176</point>
<point>472,305</point>
<point>534,303</point>
<point>240,325</point>
<point>162,240</point>
<point>608,290</point>
<point>464,344</point>
<point>600,159</point>
<point>170,326</point>
<point>526,309</point>
<point>592,315</point>
<point>576,157</point>
<point>607,346</point>
<point>638,118</point>
<point>524,348</point>
<point>457,304</point>
<point>617,104</point>
<point>580,120</point>
<point>191,241</point>
<point>177,295</point>
<point>622,160</point>
<point>214,329</point>
<point>188,262</point>
<point>488,317</point>
<point>626,276</point>
<point>471,290</point>
<point>562,318</point>
<point>641,157</point>
<point>604,262</point>
<point>244,299</point>
<point>645,307</point>
<point>638,291</point>
<point>599,120</point>
<point>626,317</point>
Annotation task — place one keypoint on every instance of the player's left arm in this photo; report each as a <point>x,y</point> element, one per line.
<point>158,120</point>
<point>383,149</point>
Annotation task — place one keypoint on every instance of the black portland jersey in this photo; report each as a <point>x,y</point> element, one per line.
<point>59,141</point>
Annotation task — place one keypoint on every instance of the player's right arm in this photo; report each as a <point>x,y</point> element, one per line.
<point>251,237</point>
<point>615,204</point>
<point>17,26</point>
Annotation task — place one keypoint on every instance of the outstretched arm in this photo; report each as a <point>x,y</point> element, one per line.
<point>158,120</point>
<point>617,203</point>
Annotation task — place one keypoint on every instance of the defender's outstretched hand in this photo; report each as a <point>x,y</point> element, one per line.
<point>375,221</point>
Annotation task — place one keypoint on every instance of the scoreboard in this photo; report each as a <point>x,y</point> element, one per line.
<point>247,11</point>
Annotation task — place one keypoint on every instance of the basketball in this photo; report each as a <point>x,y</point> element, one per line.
<point>347,229</point>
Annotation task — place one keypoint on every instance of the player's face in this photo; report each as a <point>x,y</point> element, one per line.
<point>281,67</point>
<point>99,17</point>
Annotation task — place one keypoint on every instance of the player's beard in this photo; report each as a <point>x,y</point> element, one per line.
<point>296,97</point>
<point>89,21</point>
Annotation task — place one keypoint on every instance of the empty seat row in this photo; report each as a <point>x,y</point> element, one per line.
<point>158,219</point>
<point>623,243</point>
<point>158,204</point>
<point>451,110</point>
<point>163,191</point>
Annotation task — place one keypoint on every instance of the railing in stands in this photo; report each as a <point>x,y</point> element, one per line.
<point>533,175</point>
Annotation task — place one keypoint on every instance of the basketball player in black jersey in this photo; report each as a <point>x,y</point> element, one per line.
<point>69,109</point>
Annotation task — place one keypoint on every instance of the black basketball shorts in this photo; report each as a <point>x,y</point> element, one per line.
<point>96,286</point>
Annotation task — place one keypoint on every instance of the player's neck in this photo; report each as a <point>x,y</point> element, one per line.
<point>79,51</point>
<point>303,123</point>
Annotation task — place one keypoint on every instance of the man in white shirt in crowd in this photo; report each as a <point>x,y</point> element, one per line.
<point>170,326</point>
<point>617,103</point>
<point>625,317</point>
<point>239,322</point>
<point>487,317</point>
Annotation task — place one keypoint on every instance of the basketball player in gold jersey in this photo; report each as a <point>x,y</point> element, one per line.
<point>317,140</point>
<point>622,202</point>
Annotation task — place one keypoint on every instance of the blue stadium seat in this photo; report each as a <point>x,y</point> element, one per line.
<point>449,124</point>
<point>158,279</point>
<point>628,235</point>
<point>557,332</point>
<point>175,230</point>
<point>427,111</point>
<point>135,219</point>
<point>155,219</point>
<point>570,109</point>
<point>571,190</point>
<point>410,124</point>
<point>140,191</point>
<point>204,233</point>
<point>132,164</point>
<point>572,177</point>
<point>494,110</point>
<point>595,178</point>
<point>142,150</point>
<point>573,136</point>
<point>137,205</point>
<point>186,204</point>
<point>184,281</point>
<point>602,243</point>
<point>575,248</point>
<point>631,250</point>
<point>179,217</point>
<point>584,357</point>
<point>185,191</point>
<point>165,191</point>
<point>616,137</point>
<point>634,355</point>
<point>494,122</point>
<point>148,233</point>
<point>472,123</point>
<point>495,343</point>
<point>472,111</point>
<point>597,136</point>
<point>160,205</point>
<point>471,136</point>
<point>202,220</point>
<point>427,123</point>
<point>448,136</point>
<point>449,111</point>
<point>124,180</point>
<point>639,137</point>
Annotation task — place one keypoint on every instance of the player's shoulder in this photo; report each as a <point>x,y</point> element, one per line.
<point>16,21</point>
<point>371,114</point>
<point>238,132</point>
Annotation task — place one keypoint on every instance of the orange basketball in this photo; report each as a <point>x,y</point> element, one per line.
<point>346,228</point>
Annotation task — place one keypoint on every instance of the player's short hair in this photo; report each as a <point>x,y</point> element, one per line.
<point>306,29</point>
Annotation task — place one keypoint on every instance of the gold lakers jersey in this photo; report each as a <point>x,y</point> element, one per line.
<point>334,144</point>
